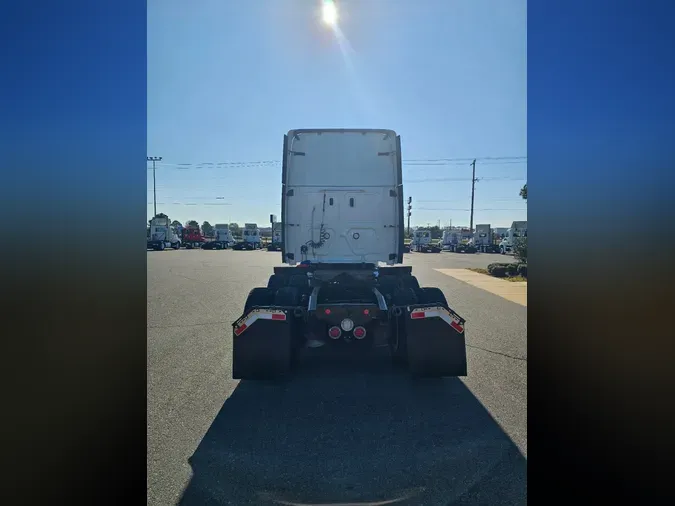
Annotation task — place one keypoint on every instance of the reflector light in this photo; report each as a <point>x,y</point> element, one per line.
<point>327,311</point>
<point>366,312</point>
<point>347,325</point>
<point>417,314</point>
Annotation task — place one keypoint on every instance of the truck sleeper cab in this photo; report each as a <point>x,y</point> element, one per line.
<point>342,236</point>
<point>162,235</point>
<point>422,242</point>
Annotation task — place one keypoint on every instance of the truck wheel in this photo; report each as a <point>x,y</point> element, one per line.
<point>387,285</point>
<point>502,250</point>
<point>434,349</point>
<point>258,297</point>
<point>411,282</point>
<point>287,296</point>
<point>431,295</point>
<point>275,282</point>
<point>298,280</point>
<point>161,246</point>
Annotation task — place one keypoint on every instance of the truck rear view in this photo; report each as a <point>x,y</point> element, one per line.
<point>342,215</point>
<point>342,197</point>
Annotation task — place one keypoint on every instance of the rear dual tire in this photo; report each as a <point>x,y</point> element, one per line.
<point>433,353</point>
<point>266,351</point>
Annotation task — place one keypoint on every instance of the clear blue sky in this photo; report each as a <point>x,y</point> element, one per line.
<point>226,80</point>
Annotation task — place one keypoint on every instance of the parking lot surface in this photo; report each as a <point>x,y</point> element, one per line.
<point>341,430</point>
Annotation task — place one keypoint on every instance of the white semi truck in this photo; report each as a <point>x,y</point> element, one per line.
<point>275,245</point>
<point>421,242</point>
<point>482,239</point>
<point>223,236</point>
<point>162,235</point>
<point>250,238</point>
<point>343,236</point>
<point>518,229</point>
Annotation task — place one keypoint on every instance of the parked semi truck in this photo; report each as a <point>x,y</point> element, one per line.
<point>458,240</point>
<point>223,236</point>
<point>517,230</point>
<point>192,237</point>
<point>275,245</point>
<point>162,235</point>
<point>250,238</point>
<point>422,243</point>
<point>343,236</point>
<point>483,239</point>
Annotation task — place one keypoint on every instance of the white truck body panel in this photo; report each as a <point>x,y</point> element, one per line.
<point>518,229</point>
<point>222,233</point>
<point>161,230</point>
<point>251,233</point>
<point>451,237</point>
<point>276,232</point>
<point>421,237</point>
<point>483,235</point>
<point>342,197</point>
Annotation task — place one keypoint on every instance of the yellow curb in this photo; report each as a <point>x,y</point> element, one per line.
<point>515,291</point>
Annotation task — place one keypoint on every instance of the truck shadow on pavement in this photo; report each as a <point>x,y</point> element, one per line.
<point>357,433</point>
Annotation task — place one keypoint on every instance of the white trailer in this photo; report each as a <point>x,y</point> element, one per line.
<point>162,235</point>
<point>343,234</point>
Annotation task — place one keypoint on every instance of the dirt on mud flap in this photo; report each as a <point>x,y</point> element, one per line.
<point>436,341</point>
<point>262,344</point>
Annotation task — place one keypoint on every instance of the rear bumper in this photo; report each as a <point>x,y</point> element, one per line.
<point>264,336</point>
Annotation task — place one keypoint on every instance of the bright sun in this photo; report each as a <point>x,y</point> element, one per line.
<point>329,13</point>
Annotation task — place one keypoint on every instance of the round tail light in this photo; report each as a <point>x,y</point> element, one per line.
<point>359,332</point>
<point>334,332</point>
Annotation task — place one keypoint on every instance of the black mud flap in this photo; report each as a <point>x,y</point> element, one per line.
<point>262,344</point>
<point>436,341</point>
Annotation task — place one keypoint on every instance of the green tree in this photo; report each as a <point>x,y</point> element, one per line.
<point>192,223</point>
<point>235,229</point>
<point>523,192</point>
<point>207,229</point>
<point>176,223</point>
<point>520,249</point>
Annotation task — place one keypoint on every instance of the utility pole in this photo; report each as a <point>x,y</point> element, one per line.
<point>473,188</point>
<point>154,159</point>
<point>409,212</point>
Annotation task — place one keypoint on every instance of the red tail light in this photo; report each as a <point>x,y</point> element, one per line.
<point>359,332</point>
<point>334,332</point>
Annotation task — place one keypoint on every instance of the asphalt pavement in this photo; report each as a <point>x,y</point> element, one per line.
<point>341,431</point>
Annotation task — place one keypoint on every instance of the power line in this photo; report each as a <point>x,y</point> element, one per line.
<point>467,210</point>
<point>485,160</point>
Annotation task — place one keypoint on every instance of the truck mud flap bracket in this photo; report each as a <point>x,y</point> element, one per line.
<point>436,341</point>
<point>262,344</point>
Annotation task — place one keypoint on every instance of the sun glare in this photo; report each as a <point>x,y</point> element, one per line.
<point>329,13</point>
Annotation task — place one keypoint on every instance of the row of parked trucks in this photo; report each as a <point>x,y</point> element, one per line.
<point>161,236</point>
<point>462,240</point>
